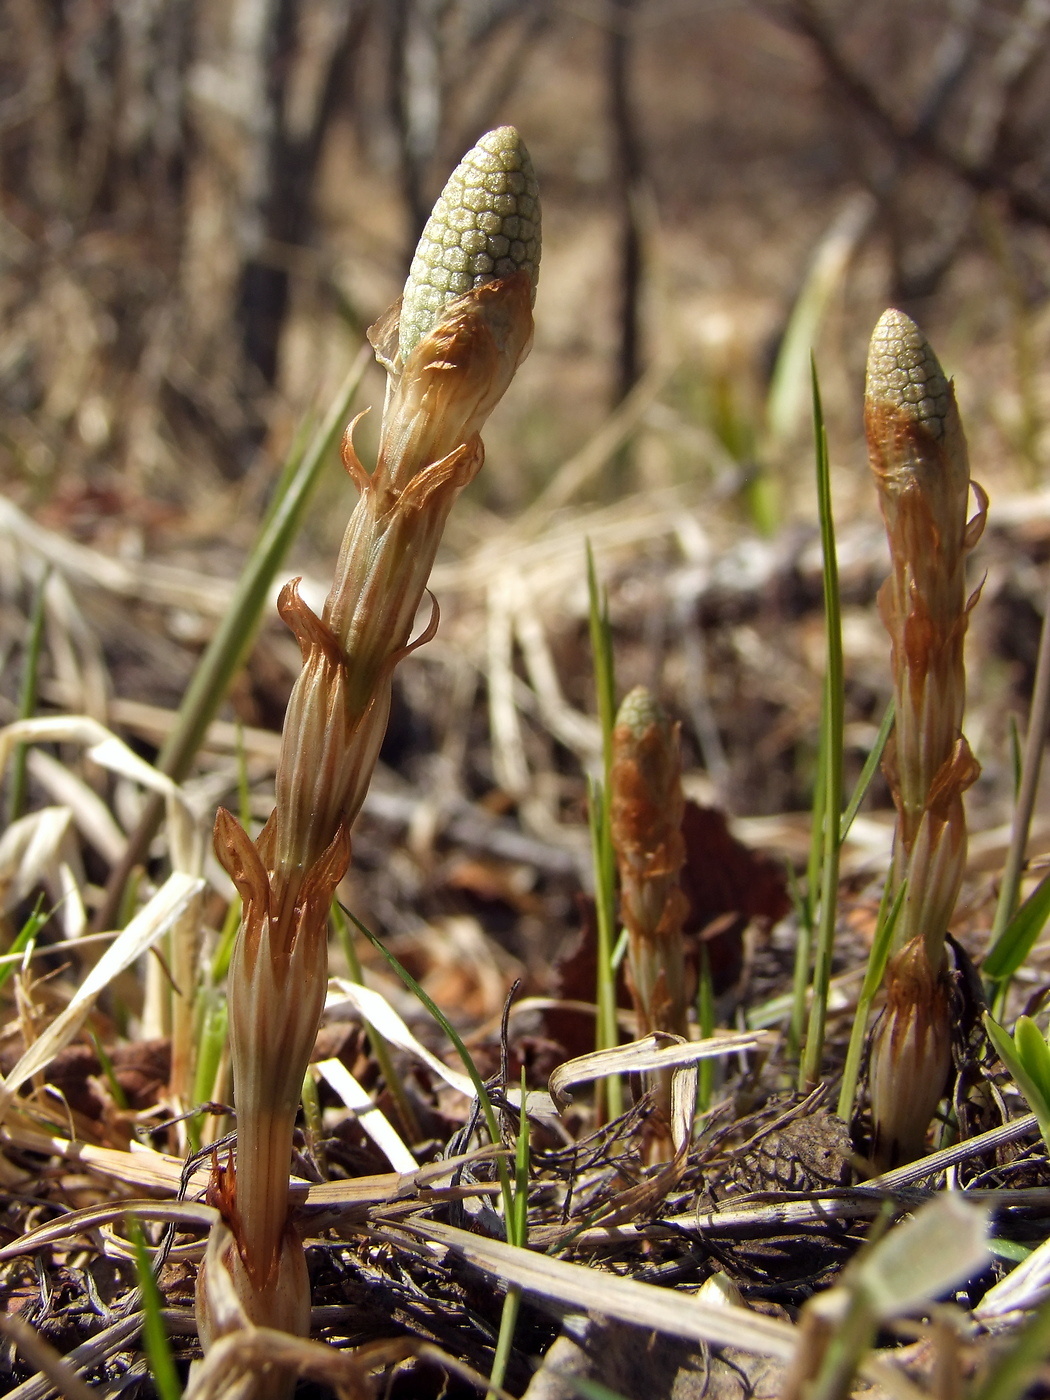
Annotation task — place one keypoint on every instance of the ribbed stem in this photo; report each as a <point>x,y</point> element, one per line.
<point>455,355</point>
<point>646,826</point>
<point>918,456</point>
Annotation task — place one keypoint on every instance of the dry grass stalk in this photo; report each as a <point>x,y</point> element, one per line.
<point>918,455</point>
<point>467,326</point>
<point>646,810</point>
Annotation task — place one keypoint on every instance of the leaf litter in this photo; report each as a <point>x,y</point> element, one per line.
<point>764,1204</point>
<point>759,1200</point>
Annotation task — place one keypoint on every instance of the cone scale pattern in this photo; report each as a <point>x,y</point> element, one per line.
<point>485,224</point>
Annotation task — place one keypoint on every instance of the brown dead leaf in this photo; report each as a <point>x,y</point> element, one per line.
<point>727,885</point>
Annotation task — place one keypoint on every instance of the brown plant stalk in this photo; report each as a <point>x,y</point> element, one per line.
<point>451,347</point>
<point>647,804</point>
<point>918,456</point>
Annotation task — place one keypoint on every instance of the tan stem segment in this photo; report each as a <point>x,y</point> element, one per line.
<point>919,460</point>
<point>446,376</point>
<point>646,809</point>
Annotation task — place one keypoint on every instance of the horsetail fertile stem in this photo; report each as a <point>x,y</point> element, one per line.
<point>646,827</point>
<point>647,807</point>
<point>466,327</point>
<point>918,457</point>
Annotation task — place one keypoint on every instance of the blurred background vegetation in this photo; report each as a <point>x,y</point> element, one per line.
<point>205,204</point>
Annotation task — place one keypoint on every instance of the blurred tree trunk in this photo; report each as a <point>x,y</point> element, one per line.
<point>627,173</point>
<point>451,69</point>
<point>160,160</point>
<point>416,102</point>
<point>265,89</point>
<point>159,163</point>
<point>303,94</point>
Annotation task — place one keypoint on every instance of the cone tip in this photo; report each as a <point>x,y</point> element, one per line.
<point>485,225</point>
<point>640,709</point>
<point>905,376</point>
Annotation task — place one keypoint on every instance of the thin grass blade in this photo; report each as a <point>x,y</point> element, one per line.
<point>867,773</point>
<point>832,744</point>
<point>1017,940</point>
<point>25,939</point>
<point>154,1336</point>
<point>464,1054</point>
<point>1009,1054</point>
<point>599,807</point>
<point>877,959</point>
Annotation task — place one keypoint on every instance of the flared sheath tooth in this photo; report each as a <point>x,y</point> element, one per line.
<point>485,225</point>
<point>905,376</point>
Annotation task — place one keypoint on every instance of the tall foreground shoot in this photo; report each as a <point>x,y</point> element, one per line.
<point>918,456</point>
<point>450,347</point>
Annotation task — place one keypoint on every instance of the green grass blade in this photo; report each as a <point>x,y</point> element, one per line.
<point>512,1301</point>
<point>508,1323</point>
<point>220,963</point>
<point>785,406</point>
<point>850,1340</point>
<point>1016,755</point>
<point>1035,739</point>
<point>803,952</point>
<point>506,1188</point>
<point>213,1020</point>
<point>602,654</point>
<point>26,938</point>
<point>1034,1054</point>
<point>620,951</point>
<point>789,384</point>
<point>517,1234</point>
<point>1009,1250</point>
<point>155,1342</point>
<point>599,798</point>
<point>16,795</point>
<point>885,927</point>
<point>815,861</point>
<point>832,742</point>
<point>806,900</point>
<point>297,450</point>
<point>867,773</point>
<point>233,639</point>
<point>877,959</point>
<point>1017,940</point>
<point>522,1160</point>
<point>1008,1053</point>
<point>380,1048</point>
<point>607,1031</point>
<point>109,1073</point>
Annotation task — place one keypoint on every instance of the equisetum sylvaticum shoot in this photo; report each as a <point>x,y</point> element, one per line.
<point>647,806</point>
<point>918,456</point>
<point>450,348</point>
<point>646,828</point>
